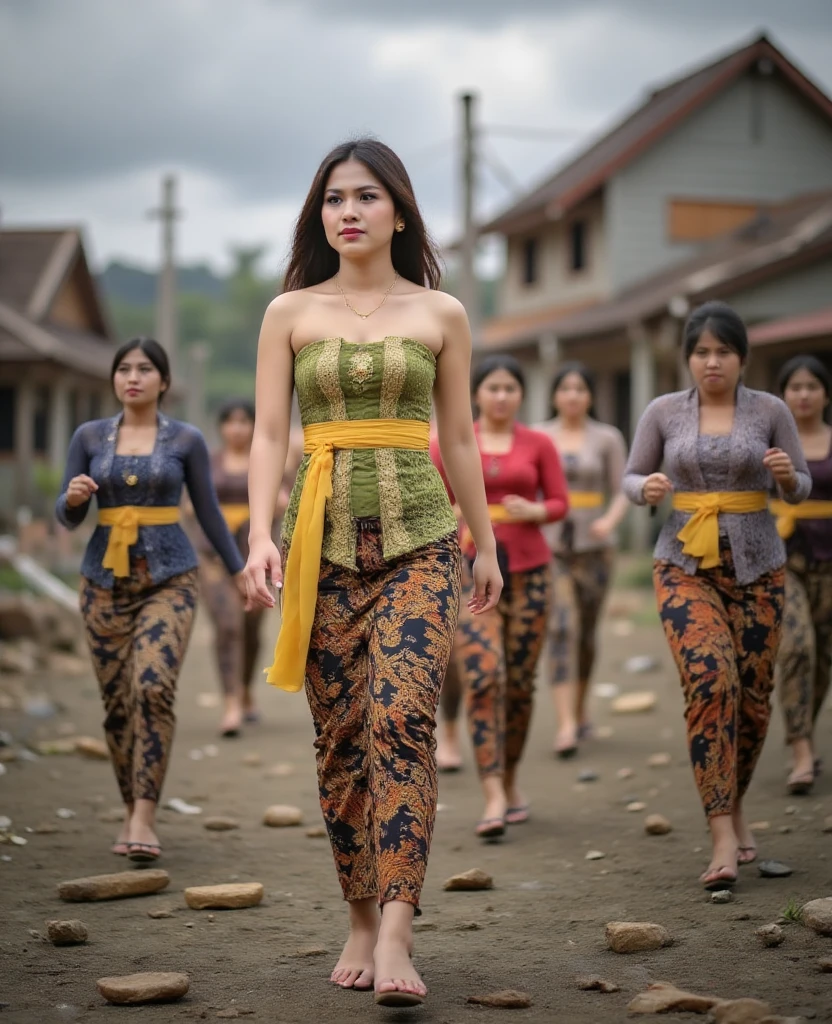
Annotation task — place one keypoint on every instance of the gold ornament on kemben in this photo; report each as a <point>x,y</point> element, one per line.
<point>131,479</point>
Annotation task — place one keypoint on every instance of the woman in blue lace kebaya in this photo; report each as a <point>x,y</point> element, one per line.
<point>139,580</point>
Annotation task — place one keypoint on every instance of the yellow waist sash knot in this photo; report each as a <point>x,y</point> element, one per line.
<point>787,515</point>
<point>585,499</point>
<point>303,562</point>
<point>700,534</point>
<point>235,515</point>
<point>124,522</point>
<point>496,513</point>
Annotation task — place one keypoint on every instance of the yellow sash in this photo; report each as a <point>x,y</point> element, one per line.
<point>235,516</point>
<point>496,513</point>
<point>124,522</point>
<point>700,534</point>
<point>787,515</point>
<point>303,562</point>
<point>585,499</point>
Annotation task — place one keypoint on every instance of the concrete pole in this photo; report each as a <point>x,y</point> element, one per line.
<point>167,333</point>
<point>24,432</point>
<point>539,383</point>
<point>198,355</point>
<point>468,288</point>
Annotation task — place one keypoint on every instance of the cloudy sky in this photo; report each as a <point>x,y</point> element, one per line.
<point>98,98</point>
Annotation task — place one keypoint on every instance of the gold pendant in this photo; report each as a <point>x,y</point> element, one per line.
<point>131,480</point>
<point>360,370</point>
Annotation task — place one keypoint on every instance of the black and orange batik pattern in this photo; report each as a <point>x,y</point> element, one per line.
<point>580,581</point>
<point>804,661</point>
<point>380,645</point>
<point>138,633</point>
<point>496,654</point>
<point>724,639</point>
<point>236,632</point>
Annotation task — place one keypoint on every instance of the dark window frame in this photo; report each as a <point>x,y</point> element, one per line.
<point>578,246</point>
<point>8,417</point>
<point>530,268</point>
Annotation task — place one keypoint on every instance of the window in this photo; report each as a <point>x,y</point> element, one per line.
<point>530,261</point>
<point>577,245</point>
<point>41,422</point>
<point>695,220</point>
<point>7,414</point>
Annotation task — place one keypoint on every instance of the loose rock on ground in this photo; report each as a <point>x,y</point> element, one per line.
<point>657,825</point>
<point>115,886</point>
<point>282,816</point>
<point>66,933</point>
<point>636,936</point>
<point>231,896</point>
<point>595,984</point>
<point>817,915</point>
<point>507,1000</point>
<point>771,935</point>
<point>469,881</point>
<point>151,987</point>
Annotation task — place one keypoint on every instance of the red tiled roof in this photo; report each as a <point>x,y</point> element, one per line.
<point>662,111</point>
<point>793,328</point>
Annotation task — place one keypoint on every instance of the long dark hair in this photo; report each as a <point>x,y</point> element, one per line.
<point>154,352</point>
<point>500,361</point>
<point>812,365</point>
<point>313,260</point>
<point>243,405</point>
<point>720,320</point>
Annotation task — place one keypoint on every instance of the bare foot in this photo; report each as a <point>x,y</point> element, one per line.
<point>722,871</point>
<point>398,981</point>
<point>138,832</point>
<point>121,844</point>
<point>355,965</point>
<point>747,850</point>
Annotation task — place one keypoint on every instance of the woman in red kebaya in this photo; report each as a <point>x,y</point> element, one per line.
<point>496,653</point>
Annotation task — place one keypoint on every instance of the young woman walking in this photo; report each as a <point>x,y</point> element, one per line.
<point>139,579</point>
<point>719,564</point>
<point>804,661</point>
<point>371,578</point>
<point>593,455</point>
<point>496,654</point>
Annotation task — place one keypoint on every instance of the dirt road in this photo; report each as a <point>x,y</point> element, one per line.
<point>536,931</point>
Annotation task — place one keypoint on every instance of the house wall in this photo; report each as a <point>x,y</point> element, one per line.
<point>70,307</point>
<point>557,283</point>
<point>801,291</point>
<point>758,140</point>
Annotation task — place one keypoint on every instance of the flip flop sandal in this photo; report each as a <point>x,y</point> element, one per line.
<point>252,717</point>
<point>488,828</point>
<point>586,732</point>
<point>449,769</point>
<point>746,860</point>
<point>125,847</point>
<point>715,884</point>
<point>144,853</point>
<point>517,815</point>
<point>397,998</point>
<point>801,784</point>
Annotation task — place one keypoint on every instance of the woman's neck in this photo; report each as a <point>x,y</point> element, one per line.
<point>721,401</point>
<point>811,425</point>
<point>574,423</point>
<point>375,273</point>
<point>143,416</point>
<point>491,426</point>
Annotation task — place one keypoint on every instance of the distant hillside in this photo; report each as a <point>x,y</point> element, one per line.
<point>122,282</point>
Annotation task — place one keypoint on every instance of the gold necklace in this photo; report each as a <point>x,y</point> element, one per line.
<point>350,306</point>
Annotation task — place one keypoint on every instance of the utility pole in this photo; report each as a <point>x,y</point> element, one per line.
<point>167,333</point>
<point>468,285</point>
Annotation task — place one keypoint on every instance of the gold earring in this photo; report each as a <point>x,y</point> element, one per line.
<point>399,225</point>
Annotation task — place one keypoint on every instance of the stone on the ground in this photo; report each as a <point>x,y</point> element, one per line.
<point>827,824</point>
<point>771,935</point>
<point>218,823</point>
<point>662,997</point>
<point>181,806</point>
<point>160,914</point>
<point>657,825</point>
<point>633,703</point>
<point>468,926</point>
<point>112,816</point>
<point>636,936</point>
<point>152,987</point>
<point>825,964</point>
<point>641,663</point>
<point>596,984</point>
<point>742,1011</point>
<point>760,826</point>
<point>89,746</point>
<point>46,828</point>
<point>56,747</point>
<point>774,869</point>
<point>636,805</point>
<point>588,775</point>
<point>594,855</point>
<point>722,896</point>
<point>66,933</point>
<point>661,760</point>
<point>230,896</point>
<point>280,770</point>
<point>305,951</point>
<point>624,773</point>
<point>282,816</point>
<point>115,886</point>
<point>317,832</point>
<point>507,1000</point>
<point>817,915</point>
<point>469,881</point>
<point>253,760</point>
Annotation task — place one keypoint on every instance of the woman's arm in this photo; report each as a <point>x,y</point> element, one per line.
<point>78,486</point>
<point>785,459</point>
<point>458,445</point>
<point>203,496</point>
<point>616,462</point>
<point>643,483</point>
<point>270,444</point>
<point>553,484</point>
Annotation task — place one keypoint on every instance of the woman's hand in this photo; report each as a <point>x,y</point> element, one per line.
<point>601,528</point>
<point>262,568</point>
<point>238,579</point>
<point>522,510</point>
<point>656,487</point>
<point>79,490</point>
<point>488,584</point>
<point>781,467</point>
